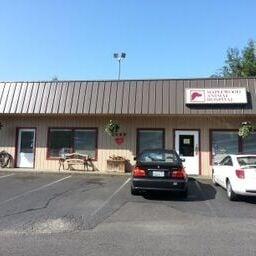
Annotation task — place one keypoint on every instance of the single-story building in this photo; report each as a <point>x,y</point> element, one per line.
<point>197,117</point>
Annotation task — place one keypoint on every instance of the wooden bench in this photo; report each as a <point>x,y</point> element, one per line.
<point>69,160</point>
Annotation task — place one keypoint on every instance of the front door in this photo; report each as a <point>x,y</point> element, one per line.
<point>187,146</point>
<point>26,148</point>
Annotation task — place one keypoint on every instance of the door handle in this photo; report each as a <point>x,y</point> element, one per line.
<point>196,149</point>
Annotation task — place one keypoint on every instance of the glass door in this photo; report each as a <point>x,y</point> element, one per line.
<point>26,148</point>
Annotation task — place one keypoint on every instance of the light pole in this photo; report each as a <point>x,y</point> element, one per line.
<point>119,57</point>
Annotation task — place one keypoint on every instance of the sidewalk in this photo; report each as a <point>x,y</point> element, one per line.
<point>106,173</point>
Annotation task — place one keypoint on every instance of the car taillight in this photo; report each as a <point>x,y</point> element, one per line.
<point>240,173</point>
<point>138,172</point>
<point>178,174</point>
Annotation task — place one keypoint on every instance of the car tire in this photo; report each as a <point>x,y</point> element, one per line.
<point>135,192</point>
<point>230,193</point>
<point>214,180</point>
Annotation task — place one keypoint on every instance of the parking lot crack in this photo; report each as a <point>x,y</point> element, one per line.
<point>37,208</point>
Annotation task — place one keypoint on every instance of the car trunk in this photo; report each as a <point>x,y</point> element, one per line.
<point>159,170</point>
<point>250,178</point>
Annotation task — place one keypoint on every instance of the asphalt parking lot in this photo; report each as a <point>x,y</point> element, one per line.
<point>46,214</point>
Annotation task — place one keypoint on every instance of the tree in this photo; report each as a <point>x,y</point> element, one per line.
<point>240,63</point>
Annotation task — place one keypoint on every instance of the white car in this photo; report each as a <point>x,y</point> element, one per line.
<point>237,174</point>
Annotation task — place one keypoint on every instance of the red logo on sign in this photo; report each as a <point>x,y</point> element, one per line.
<point>195,95</point>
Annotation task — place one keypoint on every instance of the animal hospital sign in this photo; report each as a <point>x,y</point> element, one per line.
<point>216,96</point>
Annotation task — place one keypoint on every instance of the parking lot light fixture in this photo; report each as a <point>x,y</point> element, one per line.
<point>119,57</point>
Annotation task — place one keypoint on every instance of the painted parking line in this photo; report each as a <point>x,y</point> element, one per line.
<point>5,176</point>
<point>110,198</point>
<point>34,190</point>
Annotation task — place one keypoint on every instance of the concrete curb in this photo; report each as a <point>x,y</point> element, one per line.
<point>95,173</point>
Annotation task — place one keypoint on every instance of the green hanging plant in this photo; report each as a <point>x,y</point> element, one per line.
<point>112,128</point>
<point>246,129</point>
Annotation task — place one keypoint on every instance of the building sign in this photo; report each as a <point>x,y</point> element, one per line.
<point>216,96</point>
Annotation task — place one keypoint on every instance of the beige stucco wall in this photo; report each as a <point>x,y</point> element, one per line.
<point>106,144</point>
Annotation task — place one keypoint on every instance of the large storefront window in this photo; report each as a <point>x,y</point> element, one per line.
<point>150,139</point>
<point>249,144</point>
<point>224,143</point>
<point>62,141</point>
<point>228,142</point>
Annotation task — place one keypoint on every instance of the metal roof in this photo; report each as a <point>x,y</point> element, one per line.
<point>129,97</point>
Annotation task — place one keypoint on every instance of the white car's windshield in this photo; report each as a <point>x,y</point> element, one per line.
<point>247,161</point>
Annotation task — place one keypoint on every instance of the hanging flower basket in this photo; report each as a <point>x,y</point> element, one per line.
<point>246,129</point>
<point>112,128</point>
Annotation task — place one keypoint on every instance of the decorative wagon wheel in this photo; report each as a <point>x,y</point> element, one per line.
<point>5,159</point>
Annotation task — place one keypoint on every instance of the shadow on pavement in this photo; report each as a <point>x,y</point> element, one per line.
<point>197,191</point>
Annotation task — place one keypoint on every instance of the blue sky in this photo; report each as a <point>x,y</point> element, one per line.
<point>76,39</point>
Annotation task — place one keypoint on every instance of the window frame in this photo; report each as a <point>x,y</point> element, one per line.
<point>48,157</point>
<point>148,129</point>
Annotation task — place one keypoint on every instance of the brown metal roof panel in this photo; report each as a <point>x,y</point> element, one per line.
<point>15,99</point>
<point>51,97</point>
<point>57,98</point>
<point>74,103</point>
<point>28,98</point>
<point>251,85</point>
<point>112,99</point>
<point>81,98</point>
<point>187,85</point>
<point>45,98</point>
<point>132,97</point>
<point>1,90</point>
<point>152,97</point>
<point>250,88</point>
<point>106,98</point>
<point>145,97</point>
<point>138,100</point>
<point>159,97</point>
<point>94,98</point>
<point>4,97</point>
<point>69,98</point>
<point>180,97</point>
<point>88,97</point>
<point>166,97</point>
<point>39,99</point>
<point>119,98</point>
<point>63,97</point>
<point>9,100</point>
<point>33,98</point>
<point>125,104</point>
<point>100,98</point>
<point>172,97</point>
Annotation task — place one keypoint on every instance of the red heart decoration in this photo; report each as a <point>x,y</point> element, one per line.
<point>119,140</point>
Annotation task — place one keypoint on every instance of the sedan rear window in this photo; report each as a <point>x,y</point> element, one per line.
<point>247,161</point>
<point>158,156</point>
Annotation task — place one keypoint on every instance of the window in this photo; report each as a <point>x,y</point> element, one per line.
<point>227,161</point>
<point>80,140</point>
<point>150,139</point>
<point>224,143</point>
<point>249,144</point>
<point>228,142</point>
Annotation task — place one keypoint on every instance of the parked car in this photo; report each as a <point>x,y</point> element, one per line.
<point>237,174</point>
<point>159,169</point>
